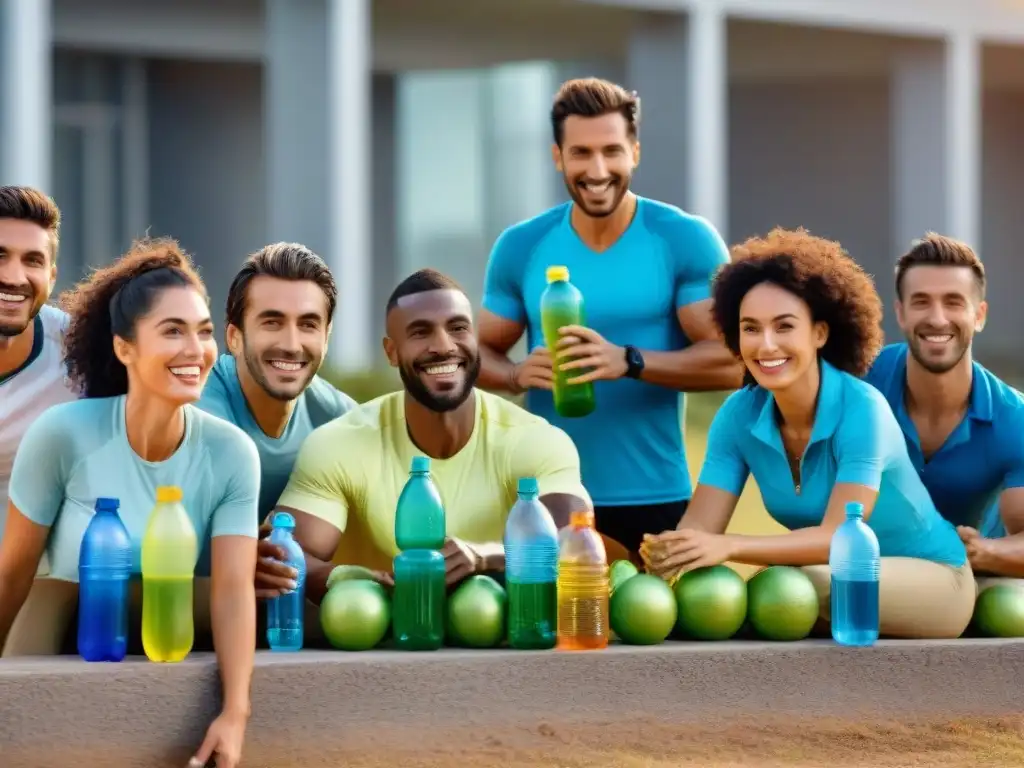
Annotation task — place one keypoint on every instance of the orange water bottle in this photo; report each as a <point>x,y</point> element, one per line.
<point>583,586</point>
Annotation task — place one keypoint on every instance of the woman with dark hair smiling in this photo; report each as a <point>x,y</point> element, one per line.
<point>806,322</point>
<point>139,346</point>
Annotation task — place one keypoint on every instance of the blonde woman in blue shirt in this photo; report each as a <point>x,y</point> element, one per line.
<point>140,347</point>
<point>806,322</point>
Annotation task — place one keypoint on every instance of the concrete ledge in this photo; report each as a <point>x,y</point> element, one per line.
<point>65,713</point>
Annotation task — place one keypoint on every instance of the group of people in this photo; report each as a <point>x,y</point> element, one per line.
<point>122,390</point>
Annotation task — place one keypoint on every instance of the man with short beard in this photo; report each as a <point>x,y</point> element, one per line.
<point>32,371</point>
<point>350,473</point>
<point>964,427</point>
<point>644,268</point>
<point>279,312</point>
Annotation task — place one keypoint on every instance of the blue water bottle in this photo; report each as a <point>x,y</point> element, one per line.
<point>286,614</point>
<point>855,561</point>
<point>104,574</point>
<point>531,571</point>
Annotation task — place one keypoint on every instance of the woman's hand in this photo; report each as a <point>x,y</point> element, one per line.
<point>223,740</point>
<point>673,552</point>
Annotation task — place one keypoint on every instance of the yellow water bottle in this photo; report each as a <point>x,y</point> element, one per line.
<point>169,553</point>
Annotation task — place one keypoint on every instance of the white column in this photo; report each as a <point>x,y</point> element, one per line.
<point>963,117</point>
<point>678,64</point>
<point>936,149</point>
<point>26,91</point>
<point>318,136</point>
<point>707,147</point>
<point>349,149</point>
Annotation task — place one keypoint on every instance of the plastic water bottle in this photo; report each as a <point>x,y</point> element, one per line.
<point>855,562</point>
<point>583,586</point>
<point>104,574</point>
<point>561,304</point>
<point>418,600</point>
<point>286,614</point>
<point>169,553</point>
<point>531,571</point>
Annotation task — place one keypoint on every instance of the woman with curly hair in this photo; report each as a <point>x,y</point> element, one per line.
<point>140,346</point>
<point>806,322</point>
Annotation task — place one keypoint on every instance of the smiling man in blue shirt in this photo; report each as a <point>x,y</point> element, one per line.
<point>279,313</point>
<point>644,269</point>
<point>964,427</point>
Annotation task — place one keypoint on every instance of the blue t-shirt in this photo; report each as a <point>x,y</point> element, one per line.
<point>981,458</point>
<point>631,447</point>
<point>76,452</point>
<point>855,439</point>
<point>319,403</point>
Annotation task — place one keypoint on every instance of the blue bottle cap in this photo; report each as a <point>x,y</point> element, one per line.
<point>854,509</point>
<point>107,504</point>
<point>420,464</point>
<point>527,486</point>
<point>284,520</point>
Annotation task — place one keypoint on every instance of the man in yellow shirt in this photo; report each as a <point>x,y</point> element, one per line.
<point>347,479</point>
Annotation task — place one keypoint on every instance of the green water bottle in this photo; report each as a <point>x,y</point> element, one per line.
<point>561,304</point>
<point>418,601</point>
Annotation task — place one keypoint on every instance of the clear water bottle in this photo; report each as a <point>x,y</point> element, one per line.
<point>286,614</point>
<point>583,586</point>
<point>855,562</point>
<point>104,573</point>
<point>531,571</point>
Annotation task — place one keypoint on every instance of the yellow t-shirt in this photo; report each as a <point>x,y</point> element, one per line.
<point>351,471</point>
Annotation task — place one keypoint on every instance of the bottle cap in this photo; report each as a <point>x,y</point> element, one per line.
<point>284,520</point>
<point>555,274</point>
<point>854,509</point>
<point>168,494</point>
<point>107,504</point>
<point>581,518</point>
<point>420,464</point>
<point>527,486</point>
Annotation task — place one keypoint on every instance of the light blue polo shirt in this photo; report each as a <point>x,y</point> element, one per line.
<point>76,452</point>
<point>319,403</point>
<point>856,440</point>
<point>631,447</point>
<point>981,458</point>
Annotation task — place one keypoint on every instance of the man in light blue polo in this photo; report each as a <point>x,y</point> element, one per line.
<point>644,269</point>
<point>964,427</point>
<point>279,314</point>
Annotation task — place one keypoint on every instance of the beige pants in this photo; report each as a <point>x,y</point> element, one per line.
<point>918,599</point>
<point>45,625</point>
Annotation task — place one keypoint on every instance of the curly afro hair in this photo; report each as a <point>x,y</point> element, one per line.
<point>110,302</point>
<point>838,292</point>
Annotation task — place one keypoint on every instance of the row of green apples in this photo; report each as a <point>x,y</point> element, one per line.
<point>706,604</point>
<point>776,604</point>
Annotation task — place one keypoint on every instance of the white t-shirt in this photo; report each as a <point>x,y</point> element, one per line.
<point>26,393</point>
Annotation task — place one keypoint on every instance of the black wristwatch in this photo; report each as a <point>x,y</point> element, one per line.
<point>634,362</point>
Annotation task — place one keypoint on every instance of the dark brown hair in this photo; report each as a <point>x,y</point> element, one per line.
<point>940,251</point>
<point>287,261</point>
<point>110,302</point>
<point>28,204</point>
<point>593,97</point>
<point>834,286</point>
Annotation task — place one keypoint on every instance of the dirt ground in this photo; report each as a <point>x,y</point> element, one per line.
<point>974,743</point>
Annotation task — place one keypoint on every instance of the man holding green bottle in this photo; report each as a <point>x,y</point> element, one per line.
<point>644,269</point>
<point>350,472</point>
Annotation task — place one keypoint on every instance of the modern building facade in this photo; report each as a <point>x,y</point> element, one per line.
<point>393,134</point>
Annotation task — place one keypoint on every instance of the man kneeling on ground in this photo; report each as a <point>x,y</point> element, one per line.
<point>350,472</point>
<point>964,427</point>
